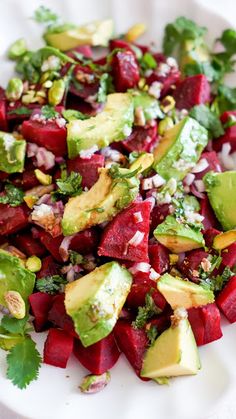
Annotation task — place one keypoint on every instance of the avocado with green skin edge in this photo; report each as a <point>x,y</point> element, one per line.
<point>12,153</point>
<point>95,300</point>
<point>173,354</point>
<point>179,149</point>
<point>221,191</point>
<point>178,237</point>
<point>69,36</point>
<point>113,123</point>
<point>102,202</point>
<point>14,277</point>
<point>182,293</point>
<point>148,104</point>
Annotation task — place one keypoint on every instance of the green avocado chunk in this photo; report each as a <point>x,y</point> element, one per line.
<point>173,354</point>
<point>180,149</point>
<point>102,202</point>
<point>178,237</point>
<point>181,293</point>
<point>148,104</point>
<point>95,300</point>
<point>12,153</point>
<point>14,277</point>
<point>221,191</point>
<point>114,123</point>
<point>69,36</point>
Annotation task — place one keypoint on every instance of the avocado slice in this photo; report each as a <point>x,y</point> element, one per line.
<point>95,300</point>
<point>148,103</point>
<point>178,237</point>
<point>68,36</point>
<point>181,293</point>
<point>12,153</point>
<point>102,202</point>
<point>114,123</point>
<point>142,163</point>
<point>173,354</point>
<point>180,149</point>
<point>14,277</point>
<point>221,190</point>
<point>223,240</point>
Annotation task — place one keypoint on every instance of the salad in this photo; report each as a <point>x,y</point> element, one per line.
<point>117,200</point>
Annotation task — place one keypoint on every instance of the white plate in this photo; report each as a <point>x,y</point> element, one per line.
<point>56,395</point>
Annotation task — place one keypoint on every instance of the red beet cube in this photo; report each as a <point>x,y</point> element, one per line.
<point>229,135</point>
<point>191,91</point>
<point>118,233</point>
<point>226,300</point>
<point>3,111</point>
<point>49,268</point>
<point>191,263</point>
<point>125,70</point>
<point>57,348</point>
<point>28,245</point>
<point>99,357</point>
<point>207,318</point>
<point>159,257</point>
<point>121,44</point>
<point>141,139</point>
<point>87,83</point>
<point>12,219</point>
<point>50,136</point>
<point>85,242</point>
<point>229,256</point>
<point>132,342</point>
<point>209,236</point>
<point>167,80</point>
<point>58,317</point>
<point>52,244</point>
<point>158,215</point>
<point>210,220</point>
<point>40,304</point>
<point>138,292</point>
<point>88,168</point>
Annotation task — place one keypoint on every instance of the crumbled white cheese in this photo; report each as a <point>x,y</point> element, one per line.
<point>155,89</point>
<point>171,61</point>
<point>193,217</point>
<point>127,130</point>
<point>87,154</point>
<point>8,141</point>
<point>41,211</point>
<point>182,165</point>
<point>51,63</point>
<point>163,69</point>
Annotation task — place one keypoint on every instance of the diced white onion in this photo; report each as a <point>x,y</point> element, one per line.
<point>200,166</point>
<point>64,247</point>
<point>140,267</point>
<point>147,184</point>
<point>158,181</point>
<point>136,239</point>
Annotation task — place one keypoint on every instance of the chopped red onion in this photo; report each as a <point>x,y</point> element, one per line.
<point>200,185</point>
<point>140,267</point>
<point>153,275</point>
<point>200,166</point>
<point>195,192</point>
<point>138,218</point>
<point>64,247</point>
<point>189,178</point>
<point>136,239</point>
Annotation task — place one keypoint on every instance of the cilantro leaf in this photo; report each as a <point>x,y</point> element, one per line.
<point>23,363</point>
<point>49,112</point>
<point>14,196</point>
<point>75,257</point>
<point>114,172</point>
<point>152,334</point>
<point>13,325</point>
<point>22,110</point>
<point>104,87</point>
<point>50,284</point>
<point>68,185</point>
<point>71,114</point>
<point>146,312</point>
<point>207,119</point>
<point>45,15</point>
<point>178,31</point>
<point>226,98</point>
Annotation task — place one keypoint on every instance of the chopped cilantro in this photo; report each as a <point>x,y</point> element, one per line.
<point>76,258</point>
<point>216,283</point>
<point>45,15</point>
<point>49,112</point>
<point>13,325</point>
<point>68,185</point>
<point>152,334</point>
<point>22,110</point>
<point>50,284</point>
<point>14,196</point>
<point>207,119</point>
<point>145,313</point>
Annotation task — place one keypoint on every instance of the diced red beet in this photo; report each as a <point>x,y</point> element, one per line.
<point>132,342</point>
<point>58,317</point>
<point>229,256</point>
<point>85,242</point>
<point>12,219</point>
<point>191,263</point>
<point>206,211</point>
<point>125,70</point>
<point>28,245</point>
<point>49,267</point>
<point>205,322</point>
<point>57,348</point>
<point>40,304</point>
<point>99,357</point>
<point>158,214</point>
<point>168,80</point>
<point>88,168</point>
<point>161,322</point>
<point>226,115</point>
<point>3,111</point>
<point>229,135</point>
<point>87,87</point>
<point>116,236</point>
<point>209,236</point>
<point>141,139</point>
<point>159,257</point>
<point>52,244</point>
<point>120,44</point>
<point>85,50</point>
<point>213,164</point>
<point>50,136</point>
<point>196,321</point>
<point>226,300</point>
<point>137,294</point>
<point>191,91</point>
